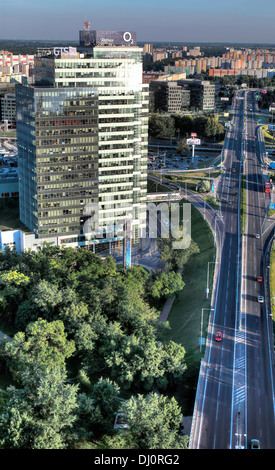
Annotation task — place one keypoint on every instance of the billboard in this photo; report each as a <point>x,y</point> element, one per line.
<point>107,38</point>
<point>193,141</point>
<point>59,51</point>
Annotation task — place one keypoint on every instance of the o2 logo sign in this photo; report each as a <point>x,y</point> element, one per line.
<point>127,37</point>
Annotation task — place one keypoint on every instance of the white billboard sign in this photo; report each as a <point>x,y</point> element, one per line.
<point>193,141</point>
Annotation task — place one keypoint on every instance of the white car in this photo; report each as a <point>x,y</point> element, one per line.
<point>260,299</point>
<point>257,235</point>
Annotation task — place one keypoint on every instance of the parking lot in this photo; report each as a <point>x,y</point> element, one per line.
<point>170,159</point>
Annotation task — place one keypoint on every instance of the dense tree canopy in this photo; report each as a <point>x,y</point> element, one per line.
<point>166,127</point>
<point>154,422</point>
<point>38,415</point>
<point>84,330</point>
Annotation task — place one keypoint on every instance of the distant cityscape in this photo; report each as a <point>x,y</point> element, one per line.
<point>179,79</point>
<point>137,205</point>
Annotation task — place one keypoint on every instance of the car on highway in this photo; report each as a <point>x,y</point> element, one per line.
<point>257,235</point>
<point>255,444</point>
<point>260,299</point>
<point>233,170</point>
<point>259,279</point>
<point>218,336</point>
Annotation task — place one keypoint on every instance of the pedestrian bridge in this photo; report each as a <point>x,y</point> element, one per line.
<point>156,197</point>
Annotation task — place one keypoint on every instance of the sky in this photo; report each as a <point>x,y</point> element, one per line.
<point>225,21</point>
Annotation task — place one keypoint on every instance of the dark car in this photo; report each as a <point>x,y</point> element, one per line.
<point>255,444</point>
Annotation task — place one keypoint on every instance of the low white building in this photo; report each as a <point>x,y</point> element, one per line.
<point>20,241</point>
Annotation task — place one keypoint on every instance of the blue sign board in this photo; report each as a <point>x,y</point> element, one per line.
<point>272,205</point>
<point>272,164</point>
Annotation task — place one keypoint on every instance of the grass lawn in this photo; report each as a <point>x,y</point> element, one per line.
<point>265,119</point>
<point>8,134</point>
<point>153,187</point>
<point>208,162</point>
<point>212,202</point>
<point>185,315</point>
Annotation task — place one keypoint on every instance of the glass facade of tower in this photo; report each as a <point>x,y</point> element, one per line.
<point>117,171</point>
<point>57,131</point>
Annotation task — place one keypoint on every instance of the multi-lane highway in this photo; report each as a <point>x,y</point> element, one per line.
<point>259,340</point>
<point>235,393</point>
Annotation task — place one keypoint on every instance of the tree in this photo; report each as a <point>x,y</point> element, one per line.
<point>204,186</point>
<point>144,363</point>
<point>41,413</point>
<point>161,127</point>
<point>175,258</point>
<point>43,345</point>
<point>45,297</point>
<point>13,285</point>
<point>182,146</point>
<point>165,284</point>
<point>185,124</point>
<point>97,410</point>
<point>154,422</point>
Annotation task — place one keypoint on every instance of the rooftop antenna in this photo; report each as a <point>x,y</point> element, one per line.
<point>86,25</point>
<point>87,33</point>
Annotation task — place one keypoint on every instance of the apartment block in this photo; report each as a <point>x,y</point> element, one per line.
<point>202,93</point>
<point>167,96</point>
<point>8,108</point>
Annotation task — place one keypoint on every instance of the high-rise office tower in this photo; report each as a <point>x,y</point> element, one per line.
<point>83,138</point>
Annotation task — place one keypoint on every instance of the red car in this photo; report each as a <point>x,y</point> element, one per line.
<point>218,336</point>
<point>259,279</point>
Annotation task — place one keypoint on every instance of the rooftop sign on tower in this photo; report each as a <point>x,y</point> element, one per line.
<point>106,38</point>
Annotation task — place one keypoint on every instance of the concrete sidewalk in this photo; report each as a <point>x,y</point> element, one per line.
<point>4,336</point>
<point>166,309</point>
